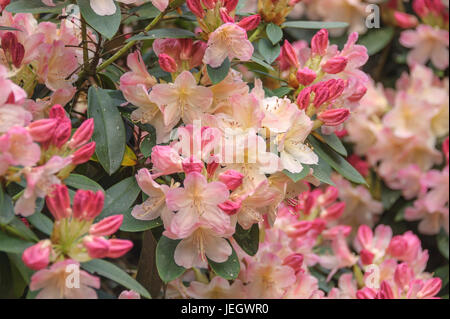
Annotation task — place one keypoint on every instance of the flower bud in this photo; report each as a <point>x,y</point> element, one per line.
<point>431,288</point>
<point>129,294</point>
<point>366,293</point>
<point>192,164</point>
<point>334,117</point>
<point>42,130</point>
<point>232,179</point>
<point>397,246</point>
<point>385,291</point>
<point>321,95</point>
<point>319,43</point>
<point>37,256</point>
<point>230,207</point>
<point>335,65</point>
<point>288,55</point>
<point>166,160</point>
<point>167,63</point>
<point>119,247</point>
<point>335,88</point>
<point>364,236</point>
<point>366,257</point>
<point>83,154</point>
<point>58,202</point>
<point>62,133</point>
<point>107,226</point>
<point>196,7</point>
<point>306,76</point>
<point>87,205</point>
<point>230,4</point>
<point>403,275</point>
<point>17,54</point>
<point>97,247</point>
<point>295,261</point>
<point>224,16</point>
<point>209,4</point>
<point>82,135</point>
<point>331,194</point>
<point>187,46</point>
<point>57,112</point>
<point>335,211</point>
<point>404,20</point>
<point>250,23</point>
<point>304,99</point>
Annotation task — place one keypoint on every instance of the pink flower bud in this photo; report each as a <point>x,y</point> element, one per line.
<point>359,164</point>
<point>192,164</point>
<point>431,288</point>
<point>336,231</point>
<point>250,23</point>
<point>167,63</point>
<point>129,294</point>
<point>83,134</point>
<point>107,226</point>
<point>397,246</point>
<point>295,261</point>
<point>334,117</point>
<point>198,51</point>
<point>306,76</point>
<point>321,95</point>
<point>97,247</point>
<point>405,20</point>
<point>186,48</point>
<point>358,93</point>
<point>288,55</point>
<point>210,4</point>
<point>385,291</point>
<point>304,99</point>
<point>9,39</point>
<point>331,194</point>
<point>42,130</point>
<point>335,88</point>
<point>366,257</point>
<point>212,166</point>
<point>232,179</point>
<point>319,43</point>
<point>230,207</point>
<point>17,54</point>
<point>58,202</point>
<point>364,236</point>
<point>224,16</point>
<point>230,4</point>
<point>37,256</point>
<point>87,204</point>
<point>57,112</point>
<point>166,160</point>
<point>62,133</point>
<point>335,211</point>
<point>403,275</point>
<point>83,154</point>
<point>196,7</point>
<point>366,293</point>
<point>119,247</point>
<point>3,4</point>
<point>335,65</point>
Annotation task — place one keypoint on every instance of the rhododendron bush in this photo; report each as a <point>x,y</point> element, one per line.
<point>224,149</point>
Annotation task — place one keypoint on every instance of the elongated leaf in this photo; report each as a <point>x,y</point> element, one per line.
<point>168,270</point>
<point>314,25</point>
<point>3,28</point>
<point>14,245</point>
<point>120,197</point>
<point>82,182</point>
<point>248,240</point>
<point>217,75</point>
<point>163,34</point>
<point>6,208</point>
<point>41,222</point>
<point>106,25</point>
<point>22,230</point>
<point>260,62</point>
<point>335,143</point>
<point>274,33</point>
<point>282,91</point>
<point>111,271</point>
<point>33,6</point>
<point>228,270</point>
<point>109,130</point>
<point>269,51</point>
<point>336,161</point>
<point>377,39</point>
<point>131,224</point>
<point>322,171</point>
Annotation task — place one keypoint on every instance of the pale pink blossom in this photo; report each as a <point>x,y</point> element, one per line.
<point>217,288</point>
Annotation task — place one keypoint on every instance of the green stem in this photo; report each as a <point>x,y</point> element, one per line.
<point>125,48</point>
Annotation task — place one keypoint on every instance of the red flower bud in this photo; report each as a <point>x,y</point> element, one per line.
<point>58,202</point>
<point>250,23</point>
<point>405,20</point>
<point>304,99</point>
<point>83,134</point>
<point>97,247</point>
<point>119,247</point>
<point>230,4</point>
<point>232,179</point>
<point>226,18</point>
<point>295,261</point>
<point>42,130</point>
<point>83,154</point>
<point>196,7</point>
<point>334,117</point>
<point>107,226</point>
<point>230,207</point>
<point>306,76</point>
<point>335,65</point>
<point>319,43</point>
<point>191,165</point>
<point>37,256</point>
<point>167,63</point>
<point>87,204</point>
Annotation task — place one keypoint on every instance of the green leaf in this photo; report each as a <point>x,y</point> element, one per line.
<point>322,171</point>
<point>336,161</point>
<point>111,271</point>
<point>335,143</point>
<point>25,272</point>
<point>377,39</point>
<point>131,224</point>
<point>109,130</point>
<point>147,144</point>
<point>281,91</point>
<point>168,270</point>
<point>442,242</point>
<point>106,25</point>
<point>13,245</point>
<point>2,28</point>
<point>229,269</point>
<point>248,240</point>
<point>261,63</point>
<point>268,51</point>
<point>22,230</point>
<point>172,33</point>
<point>146,11</point>
<point>274,33</point>
<point>314,25</point>
<point>389,196</point>
<point>120,197</point>
<point>82,182</point>
<point>217,75</point>
<point>295,177</point>
<point>33,6</point>
<point>6,208</point>
<point>443,273</point>
<point>41,222</point>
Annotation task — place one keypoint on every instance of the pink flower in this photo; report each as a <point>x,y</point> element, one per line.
<point>161,5</point>
<point>129,294</point>
<point>197,202</point>
<point>183,99</point>
<point>166,160</point>
<point>229,40</point>
<point>427,43</point>
<point>55,282</point>
<point>217,288</point>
